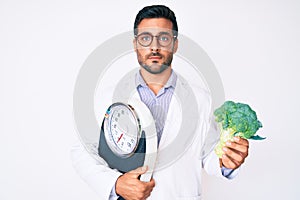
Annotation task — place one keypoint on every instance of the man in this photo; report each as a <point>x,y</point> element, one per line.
<point>155,42</point>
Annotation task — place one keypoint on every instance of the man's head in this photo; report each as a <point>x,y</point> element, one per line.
<point>156,11</point>
<point>155,38</point>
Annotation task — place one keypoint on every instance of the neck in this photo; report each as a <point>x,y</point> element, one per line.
<point>156,81</point>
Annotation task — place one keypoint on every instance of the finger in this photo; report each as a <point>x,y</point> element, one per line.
<point>138,171</point>
<point>148,194</point>
<point>241,141</point>
<point>228,162</point>
<point>151,183</point>
<point>149,188</point>
<point>237,147</point>
<point>236,156</point>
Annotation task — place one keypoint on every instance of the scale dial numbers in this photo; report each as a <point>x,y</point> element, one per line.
<point>122,129</point>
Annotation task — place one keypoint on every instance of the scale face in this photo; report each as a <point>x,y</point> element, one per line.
<point>128,138</point>
<point>122,129</point>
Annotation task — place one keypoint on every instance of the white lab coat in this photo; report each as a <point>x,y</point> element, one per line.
<point>181,179</point>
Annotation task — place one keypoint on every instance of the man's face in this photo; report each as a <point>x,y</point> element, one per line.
<point>155,44</point>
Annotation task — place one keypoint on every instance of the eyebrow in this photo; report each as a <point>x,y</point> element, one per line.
<point>160,33</point>
<point>164,33</point>
<point>145,33</point>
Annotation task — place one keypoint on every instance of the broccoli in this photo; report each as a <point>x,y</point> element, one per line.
<point>236,119</point>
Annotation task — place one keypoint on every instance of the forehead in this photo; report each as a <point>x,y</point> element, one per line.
<point>155,25</point>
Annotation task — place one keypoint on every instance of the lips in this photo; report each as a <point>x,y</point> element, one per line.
<point>154,57</point>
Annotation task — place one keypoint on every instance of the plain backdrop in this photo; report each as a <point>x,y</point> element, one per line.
<point>254,44</point>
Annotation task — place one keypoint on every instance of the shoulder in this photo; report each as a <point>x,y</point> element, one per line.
<point>202,95</point>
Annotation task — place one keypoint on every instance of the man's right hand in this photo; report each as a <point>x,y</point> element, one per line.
<point>130,187</point>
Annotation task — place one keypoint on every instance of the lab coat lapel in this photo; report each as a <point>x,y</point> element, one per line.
<point>174,116</point>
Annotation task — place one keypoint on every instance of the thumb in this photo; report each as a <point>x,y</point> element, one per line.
<point>138,171</point>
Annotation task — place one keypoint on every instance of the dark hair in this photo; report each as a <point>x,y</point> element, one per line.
<point>156,11</point>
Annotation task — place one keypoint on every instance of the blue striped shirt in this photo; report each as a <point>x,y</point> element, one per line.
<point>157,104</point>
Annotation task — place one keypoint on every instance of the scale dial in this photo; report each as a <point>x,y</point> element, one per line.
<point>122,129</point>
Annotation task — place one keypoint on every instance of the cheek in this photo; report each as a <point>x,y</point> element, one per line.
<point>142,54</point>
<point>166,52</point>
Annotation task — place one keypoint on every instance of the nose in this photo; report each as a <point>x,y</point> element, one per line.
<point>154,46</point>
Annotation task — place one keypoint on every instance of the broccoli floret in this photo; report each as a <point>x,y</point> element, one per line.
<point>236,119</point>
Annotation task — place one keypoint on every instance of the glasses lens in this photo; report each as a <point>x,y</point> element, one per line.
<point>145,39</point>
<point>164,39</point>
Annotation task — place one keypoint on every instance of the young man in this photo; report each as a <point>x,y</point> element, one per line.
<point>155,42</point>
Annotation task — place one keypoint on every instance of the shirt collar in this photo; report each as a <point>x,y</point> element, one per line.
<point>139,81</point>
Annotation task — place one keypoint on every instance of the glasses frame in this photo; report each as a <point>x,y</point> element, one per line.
<point>155,36</point>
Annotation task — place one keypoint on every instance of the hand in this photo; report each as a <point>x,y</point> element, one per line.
<point>130,187</point>
<point>235,153</point>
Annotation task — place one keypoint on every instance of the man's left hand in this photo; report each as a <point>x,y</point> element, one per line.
<point>235,153</point>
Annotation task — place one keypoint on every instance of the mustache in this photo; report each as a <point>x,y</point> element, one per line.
<point>154,54</point>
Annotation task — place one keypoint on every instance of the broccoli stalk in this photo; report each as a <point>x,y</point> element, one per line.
<point>236,119</point>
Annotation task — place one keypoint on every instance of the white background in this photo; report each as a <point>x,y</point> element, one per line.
<point>254,44</point>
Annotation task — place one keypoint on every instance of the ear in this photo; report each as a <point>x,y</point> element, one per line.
<point>134,44</point>
<point>175,47</point>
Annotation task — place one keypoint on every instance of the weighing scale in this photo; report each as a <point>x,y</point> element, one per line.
<point>128,138</point>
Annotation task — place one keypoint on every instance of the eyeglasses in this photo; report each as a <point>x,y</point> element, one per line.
<point>163,39</point>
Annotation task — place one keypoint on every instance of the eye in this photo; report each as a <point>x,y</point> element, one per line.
<point>145,38</point>
<point>164,38</point>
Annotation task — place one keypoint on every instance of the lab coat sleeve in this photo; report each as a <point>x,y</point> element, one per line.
<point>210,161</point>
<point>211,165</point>
<point>95,173</point>
<point>113,194</point>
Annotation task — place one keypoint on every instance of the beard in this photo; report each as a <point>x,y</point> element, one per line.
<point>155,67</point>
